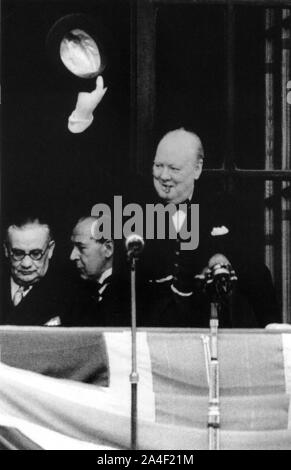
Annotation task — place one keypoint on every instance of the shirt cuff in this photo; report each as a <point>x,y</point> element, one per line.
<point>76,125</point>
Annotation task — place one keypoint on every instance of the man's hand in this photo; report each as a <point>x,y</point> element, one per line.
<point>278,326</point>
<point>82,116</point>
<point>87,102</point>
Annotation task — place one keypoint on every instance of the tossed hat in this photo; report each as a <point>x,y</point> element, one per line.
<point>78,42</point>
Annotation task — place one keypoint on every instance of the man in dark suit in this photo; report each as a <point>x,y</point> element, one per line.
<point>177,298</point>
<point>30,295</point>
<point>101,296</point>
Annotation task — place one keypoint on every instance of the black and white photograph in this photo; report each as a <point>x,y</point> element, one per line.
<point>145,220</point>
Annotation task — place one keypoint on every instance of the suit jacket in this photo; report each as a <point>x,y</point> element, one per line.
<point>253,301</point>
<point>88,308</point>
<point>42,303</point>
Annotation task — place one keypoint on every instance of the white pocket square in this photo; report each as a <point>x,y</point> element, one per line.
<point>217,231</point>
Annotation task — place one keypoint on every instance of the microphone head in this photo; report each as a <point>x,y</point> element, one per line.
<point>134,244</point>
<point>220,278</point>
<point>220,270</point>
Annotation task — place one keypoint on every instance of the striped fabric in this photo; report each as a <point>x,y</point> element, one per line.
<point>69,389</point>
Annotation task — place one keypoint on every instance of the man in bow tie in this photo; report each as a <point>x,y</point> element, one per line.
<point>101,296</point>
<point>170,270</point>
<point>177,165</point>
<point>30,294</point>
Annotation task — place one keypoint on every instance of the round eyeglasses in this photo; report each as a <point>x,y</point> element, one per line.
<point>35,255</point>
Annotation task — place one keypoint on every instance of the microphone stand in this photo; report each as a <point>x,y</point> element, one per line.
<point>133,378</point>
<point>220,281</point>
<point>214,404</point>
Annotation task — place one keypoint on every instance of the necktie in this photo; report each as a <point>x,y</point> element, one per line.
<point>97,294</point>
<point>19,294</point>
<point>99,289</point>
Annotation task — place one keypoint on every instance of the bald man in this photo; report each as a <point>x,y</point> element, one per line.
<point>177,165</point>
<point>170,270</point>
<point>101,297</point>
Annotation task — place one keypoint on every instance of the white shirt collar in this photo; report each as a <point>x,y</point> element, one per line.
<point>191,195</point>
<point>179,217</point>
<point>178,220</point>
<point>14,287</point>
<point>105,275</point>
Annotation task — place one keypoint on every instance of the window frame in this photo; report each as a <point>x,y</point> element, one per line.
<point>143,95</point>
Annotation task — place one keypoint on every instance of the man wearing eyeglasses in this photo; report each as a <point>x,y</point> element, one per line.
<point>30,296</point>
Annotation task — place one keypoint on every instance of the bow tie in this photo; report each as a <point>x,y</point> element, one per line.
<point>187,202</point>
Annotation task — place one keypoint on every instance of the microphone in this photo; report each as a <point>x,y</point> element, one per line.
<point>134,245</point>
<point>221,277</point>
<point>217,280</point>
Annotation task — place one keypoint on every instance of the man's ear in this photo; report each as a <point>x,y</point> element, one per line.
<point>5,250</point>
<point>198,168</point>
<point>108,248</point>
<point>51,248</point>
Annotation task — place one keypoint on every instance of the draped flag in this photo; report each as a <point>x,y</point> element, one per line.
<point>69,389</point>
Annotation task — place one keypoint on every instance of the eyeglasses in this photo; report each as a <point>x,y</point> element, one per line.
<point>35,255</point>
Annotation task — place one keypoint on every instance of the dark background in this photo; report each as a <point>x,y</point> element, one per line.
<point>46,168</point>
